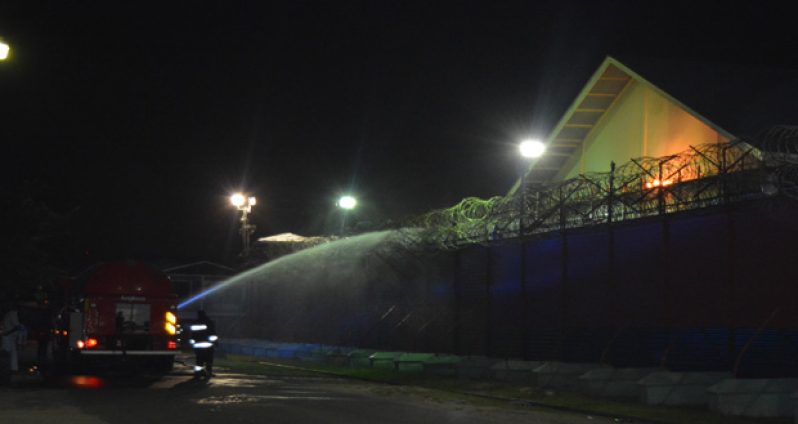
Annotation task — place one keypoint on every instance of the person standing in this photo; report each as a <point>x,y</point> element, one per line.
<point>41,326</point>
<point>203,340</point>
<point>10,330</point>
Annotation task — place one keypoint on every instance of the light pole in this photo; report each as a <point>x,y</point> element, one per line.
<point>244,204</point>
<point>346,203</point>
<point>530,149</point>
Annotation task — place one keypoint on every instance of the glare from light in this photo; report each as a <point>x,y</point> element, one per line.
<point>532,148</point>
<point>252,201</point>
<point>87,382</point>
<point>4,50</point>
<point>347,202</point>
<point>657,183</point>
<point>237,200</point>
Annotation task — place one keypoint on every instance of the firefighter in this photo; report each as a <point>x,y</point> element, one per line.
<point>203,340</point>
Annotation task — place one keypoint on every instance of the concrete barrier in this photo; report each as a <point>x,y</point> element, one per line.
<point>475,367</point>
<point>678,388</point>
<point>384,359</point>
<point>338,356</point>
<point>761,397</point>
<point>515,371</point>
<point>562,375</point>
<point>442,365</point>
<point>412,362</point>
<point>613,382</point>
<point>360,358</point>
<point>312,353</point>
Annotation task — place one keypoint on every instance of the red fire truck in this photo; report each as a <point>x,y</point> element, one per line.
<point>118,313</point>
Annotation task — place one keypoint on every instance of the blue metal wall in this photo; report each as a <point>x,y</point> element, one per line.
<point>715,290</point>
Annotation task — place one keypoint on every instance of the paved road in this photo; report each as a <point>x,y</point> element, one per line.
<point>239,398</point>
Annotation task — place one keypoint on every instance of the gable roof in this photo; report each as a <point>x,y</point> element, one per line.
<point>742,101</point>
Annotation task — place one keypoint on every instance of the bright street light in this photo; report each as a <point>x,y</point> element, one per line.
<point>237,200</point>
<point>4,49</point>
<point>347,202</point>
<point>532,148</point>
<point>243,202</point>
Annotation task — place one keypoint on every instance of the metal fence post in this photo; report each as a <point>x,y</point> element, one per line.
<point>456,295</point>
<point>563,277</point>
<point>614,317</point>
<point>488,301</point>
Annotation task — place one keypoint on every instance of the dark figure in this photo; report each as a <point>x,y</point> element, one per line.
<point>120,330</point>
<point>10,330</point>
<point>203,339</point>
<point>120,322</point>
<point>43,330</point>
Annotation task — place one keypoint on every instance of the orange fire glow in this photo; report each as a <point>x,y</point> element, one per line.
<point>657,183</point>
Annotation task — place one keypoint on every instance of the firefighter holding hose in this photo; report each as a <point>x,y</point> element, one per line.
<point>203,340</point>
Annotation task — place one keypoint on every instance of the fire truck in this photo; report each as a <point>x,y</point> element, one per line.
<point>117,313</point>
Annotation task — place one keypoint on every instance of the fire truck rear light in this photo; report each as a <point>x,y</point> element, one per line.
<point>91,343</point>
<point>171,344</point>
<point>170,328</point>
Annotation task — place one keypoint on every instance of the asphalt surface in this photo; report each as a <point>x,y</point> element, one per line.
<point>241,398</point>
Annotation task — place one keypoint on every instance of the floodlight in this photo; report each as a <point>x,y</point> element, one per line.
<point>237,200</point>
<point>532,148</point>
<point>4,49</point>
<point>347,202</point>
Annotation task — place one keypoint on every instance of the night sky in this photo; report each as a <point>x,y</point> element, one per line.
<point>137,120</point>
